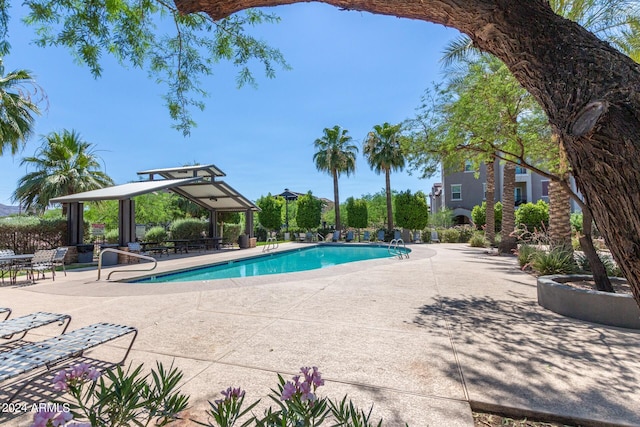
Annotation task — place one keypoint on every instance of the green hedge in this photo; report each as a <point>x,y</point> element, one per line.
<point>28,234</point>
<point>188,228</point>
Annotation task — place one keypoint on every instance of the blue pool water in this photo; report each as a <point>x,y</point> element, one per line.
<point>279,262</point>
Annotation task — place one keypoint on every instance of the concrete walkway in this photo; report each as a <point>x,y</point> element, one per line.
<point>424,340</point>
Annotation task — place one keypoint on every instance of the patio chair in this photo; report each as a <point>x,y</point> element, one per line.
<point>22,325</point>
<point>366,236</point>
<point>349,237</point>
<point>58,259</point>
<point>6,265</point>
<point>381,235</point>
<point>51,352</point>
<point>41,262</point>
<point>336,236</point>
<point>397,235</point>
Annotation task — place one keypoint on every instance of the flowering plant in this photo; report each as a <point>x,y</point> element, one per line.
<point>115,398</point>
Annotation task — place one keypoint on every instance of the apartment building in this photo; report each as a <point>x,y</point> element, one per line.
<point>461,191</point>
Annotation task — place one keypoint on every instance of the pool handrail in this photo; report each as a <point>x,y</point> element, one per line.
<point>394,248</point>
<point>132,254</point>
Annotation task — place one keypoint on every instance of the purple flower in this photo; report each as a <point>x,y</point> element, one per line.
<point>74,375</point>
<point>43,417</point>
<point>288,391</point>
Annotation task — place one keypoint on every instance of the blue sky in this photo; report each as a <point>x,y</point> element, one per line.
<point>350,69</point>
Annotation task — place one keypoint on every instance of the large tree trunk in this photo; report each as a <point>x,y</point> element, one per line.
<point>387,180</point>
<point>559,216</point>
<point>507,240</point>
<point>490,214</point>
<point>590,92</point>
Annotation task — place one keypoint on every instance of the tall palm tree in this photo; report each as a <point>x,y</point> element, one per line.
<point>64,164</point>
<point>17,109</point>
<point>508,241</point>
<point>335,155</point>
<point>383,152</point>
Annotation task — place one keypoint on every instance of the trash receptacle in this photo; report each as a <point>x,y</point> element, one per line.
<point>243,241</point>
<point>109,258</point>
<point>85,253</point>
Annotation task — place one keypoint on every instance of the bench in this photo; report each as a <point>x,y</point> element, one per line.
<point>53,351</point>
<point>22,325</point>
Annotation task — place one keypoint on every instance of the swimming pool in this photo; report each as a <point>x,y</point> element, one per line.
<point>302,259</point>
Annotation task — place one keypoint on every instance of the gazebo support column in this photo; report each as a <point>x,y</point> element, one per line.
<point>248,222</point>
<point>126,221</point>
<point>75,223</point>
<point>213,221</point>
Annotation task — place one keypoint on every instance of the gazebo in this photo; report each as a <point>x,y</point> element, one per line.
<point>196,183</point>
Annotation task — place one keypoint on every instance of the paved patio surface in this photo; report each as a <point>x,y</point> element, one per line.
<point>423,339</point>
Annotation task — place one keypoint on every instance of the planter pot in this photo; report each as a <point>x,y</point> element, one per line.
<point>109,258</point>
<point>85,253</point>
<point>605,308</point>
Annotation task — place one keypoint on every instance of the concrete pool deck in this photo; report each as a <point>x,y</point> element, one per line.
<point>423,339</point>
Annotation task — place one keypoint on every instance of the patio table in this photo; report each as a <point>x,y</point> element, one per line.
<point>15,261</point>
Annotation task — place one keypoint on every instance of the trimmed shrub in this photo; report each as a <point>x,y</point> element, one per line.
<point>466,232</point>
<point>188,228</point>
<point>26,234</point>
<point>231,233</point>
<point>156,234</point>
<point>533,216</point>
<point>450,235</point>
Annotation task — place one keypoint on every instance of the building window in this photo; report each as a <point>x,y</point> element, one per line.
<point>456,192</point>
<point>517,195</point>
<point>484,191</point>
<point>520,170</point>
<point>545,188</point>
<point>468,167</point>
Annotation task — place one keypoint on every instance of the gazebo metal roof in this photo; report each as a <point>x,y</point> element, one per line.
<point>195,183</point>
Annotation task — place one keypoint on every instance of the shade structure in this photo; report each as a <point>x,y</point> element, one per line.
<point>195,183</point>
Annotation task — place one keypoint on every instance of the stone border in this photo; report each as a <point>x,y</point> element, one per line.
<point>619,310</point>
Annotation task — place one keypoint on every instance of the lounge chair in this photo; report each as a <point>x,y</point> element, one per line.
<point>53,351</point>
<point>5,310</point>
<point>302,237</point>
<point>336,236</point>
<point>397,235</point>
<point>349,237</point>
<point>58,259</point>
<point>381,235</point>
<point>366,236</point>
<point>22,325</point>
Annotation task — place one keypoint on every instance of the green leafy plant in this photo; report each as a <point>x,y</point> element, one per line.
<point>187,228</point>
<point>111,236</point>
<point>525,253</point>
<point>609,264</point>
<point>557,260</point>
<point>156,234</point>
<point>450,235</point>
<point>478,240</point>
<point>116,397</point>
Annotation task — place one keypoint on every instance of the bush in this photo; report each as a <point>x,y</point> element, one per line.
<point>478,240</point>
<point>479,215</point>
<point>533,216</point>
<point>609,264</point>
<point>187,228</point>
<point>466,232</point>
<point>576,222</point>
<point>26,234</point>
<point>156,234</point>
<point>556,261</point>
<point>111,236</point>
<point>231,232</point>
<point>450,235</point>
<point>525,254</point>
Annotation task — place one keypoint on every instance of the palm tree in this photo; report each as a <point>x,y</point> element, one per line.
<point>335,155</point>
<point>490,225</point>
<point>508,241</point>
<point>383,152</point>
<point>17,109</point>
<point>64,164</point>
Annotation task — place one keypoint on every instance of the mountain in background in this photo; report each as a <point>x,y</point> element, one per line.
<point>8,210</point>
